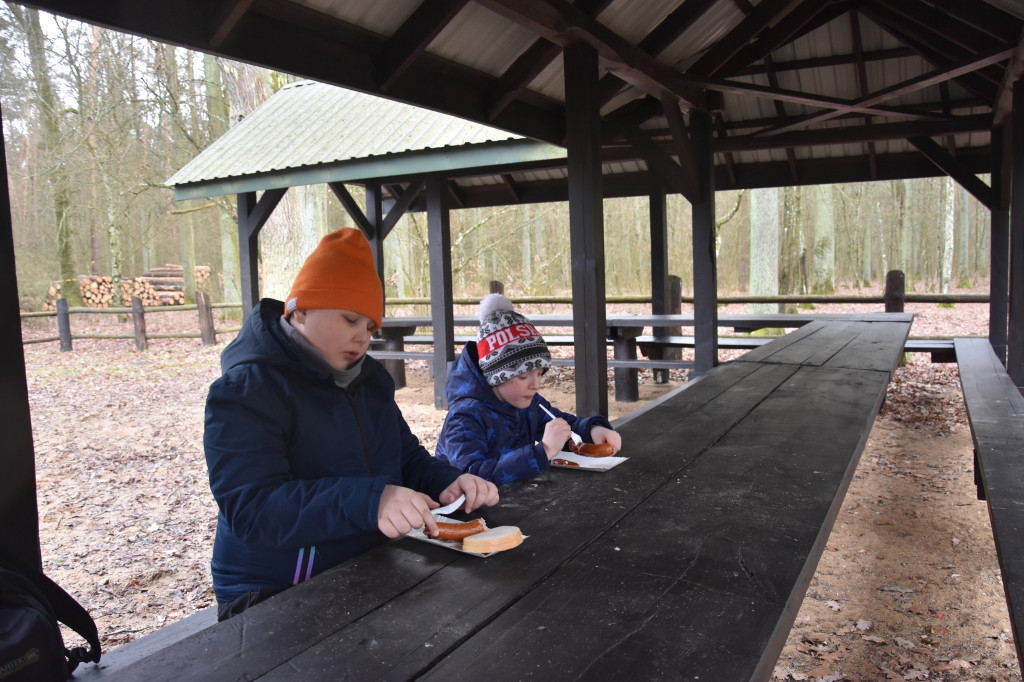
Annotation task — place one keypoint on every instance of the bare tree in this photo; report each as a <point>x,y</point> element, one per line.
<point>764,247</point>
<point>52,145</point>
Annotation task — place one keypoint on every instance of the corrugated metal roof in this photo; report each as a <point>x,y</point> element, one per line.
<point>312,124</point>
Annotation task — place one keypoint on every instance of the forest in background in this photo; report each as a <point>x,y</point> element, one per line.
<point>95,121</point>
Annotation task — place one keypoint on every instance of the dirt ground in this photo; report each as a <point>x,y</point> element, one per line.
<point>908,587</point>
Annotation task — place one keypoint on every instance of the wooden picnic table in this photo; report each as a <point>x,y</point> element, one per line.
<point>687,561</point>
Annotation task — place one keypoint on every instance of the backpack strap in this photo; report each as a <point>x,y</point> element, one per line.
<point>67,611</point>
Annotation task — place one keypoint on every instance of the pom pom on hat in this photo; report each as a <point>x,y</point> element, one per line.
<point>507,344</point>
<point>339,274</point>
<point>492,304</point>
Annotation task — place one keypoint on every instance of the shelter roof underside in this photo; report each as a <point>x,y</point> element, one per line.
<point>800,91</point>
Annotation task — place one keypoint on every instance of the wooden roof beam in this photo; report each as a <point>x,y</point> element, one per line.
<point>862,82</point>
<point>511,84</point>
<point>853,134</point>
<point>564,24</point>
<point>952,167</point>
<point>923,45</point>
<point>818,62</point>
<point>914,84</point>
<point>984,16</point>
<point>352,208</point>
<point>1014,70</point>
<point>719,54</point>
<point>781,33</point>
<point>412,38</point>
<point>658,40</point>
<point>819,101</point>
<point>233,13</point>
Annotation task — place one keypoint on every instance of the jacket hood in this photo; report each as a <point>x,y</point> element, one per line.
<point>467,382</point>
<point>261,340</point>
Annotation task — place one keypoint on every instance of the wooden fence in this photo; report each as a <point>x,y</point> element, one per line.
<point>204,308</point>
<point>894,299</point>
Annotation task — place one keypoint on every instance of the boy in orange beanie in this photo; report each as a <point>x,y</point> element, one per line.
<point>310,459</point>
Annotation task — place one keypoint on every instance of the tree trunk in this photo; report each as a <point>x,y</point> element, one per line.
<point>948,232</point>
<point>790,271</point>
<point>764,247</point>
<point>824,281</point>
<point>965,276</point>
<point>53,150</point>
<point>218,115</point>
<point>294,228</point>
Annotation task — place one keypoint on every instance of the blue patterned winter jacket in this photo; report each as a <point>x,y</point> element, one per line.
<point>486,436</point>
<point>297,464</point>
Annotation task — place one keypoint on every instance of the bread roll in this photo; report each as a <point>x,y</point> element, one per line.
<point>493,540</point>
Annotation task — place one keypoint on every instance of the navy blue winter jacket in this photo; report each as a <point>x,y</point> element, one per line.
<point>486,436</point>
<point>298,464</point>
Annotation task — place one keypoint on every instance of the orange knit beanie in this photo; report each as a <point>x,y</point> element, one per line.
<point>340,274</point>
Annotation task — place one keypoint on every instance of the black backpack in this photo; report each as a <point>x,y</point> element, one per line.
<point>31,644</point>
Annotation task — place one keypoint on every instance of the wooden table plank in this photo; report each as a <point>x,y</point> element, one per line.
<point>561,512</point>
<point>695,562</point>
<point>711,528</point>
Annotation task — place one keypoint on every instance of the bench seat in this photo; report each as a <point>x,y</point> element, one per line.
<point>995,408</point>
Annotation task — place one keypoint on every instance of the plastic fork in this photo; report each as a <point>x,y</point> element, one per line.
<point>575,436</point>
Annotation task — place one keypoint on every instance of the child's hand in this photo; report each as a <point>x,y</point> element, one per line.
<point>402,509</point>
<point>602,434</point>
<point>478,492</point>
<point>556,432</point>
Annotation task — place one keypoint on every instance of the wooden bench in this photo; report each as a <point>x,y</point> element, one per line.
<point>687,561</point>
<point>133,652</point>
<point>995,408</point>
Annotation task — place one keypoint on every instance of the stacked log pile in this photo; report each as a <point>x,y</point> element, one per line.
<point>164,285</point>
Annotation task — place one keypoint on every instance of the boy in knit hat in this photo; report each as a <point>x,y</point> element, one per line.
<point>495,427</point>
<point>310,459</point>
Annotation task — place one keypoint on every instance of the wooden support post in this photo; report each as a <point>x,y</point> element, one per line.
<point>394,339</point>
<point>1015,327</point>
<point>705,268</point>
<point>252,215</point>
<point>895,291</point>
<point>440,246</point>
<point>999,242</point>
<point>496,287</point>
<point>206,330</point>
<point>248,253</point>
<point>586,228</point>
<point>139,322</point>
<point>64,324</point>
<point>660,297</point>
<point>19,512</point>
<point>627,385</point>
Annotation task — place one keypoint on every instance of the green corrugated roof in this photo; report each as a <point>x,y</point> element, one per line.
<point>309,132</point>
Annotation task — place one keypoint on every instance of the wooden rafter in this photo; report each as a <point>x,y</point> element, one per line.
<point>831,60</point>
<point>352,208</point>
<point>925,45</point>
<point>658,40</point>
<point>862,104</point>
<point>774,37</point>
<point>757,21</point>
<point>956,170</point>
<point>564,24</point>
<point>234,12</point>
<point>412,38</point>
<point>852,134</point>
<point>529,65</point>
<point>862,83</point>
<point>1014,70</point>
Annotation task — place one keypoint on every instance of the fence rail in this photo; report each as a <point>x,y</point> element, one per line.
<point>893,299</point>
<point>204,308</point>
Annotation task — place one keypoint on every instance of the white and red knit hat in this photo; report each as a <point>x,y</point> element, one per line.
<point>507,344</point>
